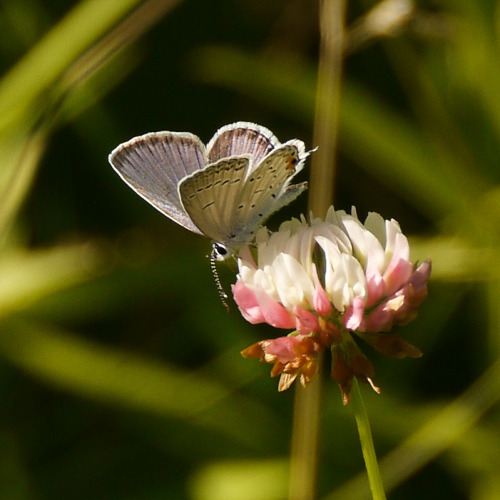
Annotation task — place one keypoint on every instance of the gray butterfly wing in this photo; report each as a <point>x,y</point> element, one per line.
<point>241,138</point>
<point>153,165</point>
<point>210,196</point>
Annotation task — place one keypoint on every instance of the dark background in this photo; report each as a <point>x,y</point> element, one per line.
<point>120,372</point>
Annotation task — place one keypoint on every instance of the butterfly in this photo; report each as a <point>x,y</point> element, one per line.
<point>224,190</point>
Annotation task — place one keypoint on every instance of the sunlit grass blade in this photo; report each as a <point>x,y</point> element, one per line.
<point>20,159</point>
<point>50,57</point>
<point>131,381</point>
<point>27,276</point>
<point>456,259</point>
<point>241,480</point>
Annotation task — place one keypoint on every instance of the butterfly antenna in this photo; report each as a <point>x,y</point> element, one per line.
<point>218,284</point>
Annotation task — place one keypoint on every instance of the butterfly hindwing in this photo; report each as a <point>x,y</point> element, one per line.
<point>210,196</point>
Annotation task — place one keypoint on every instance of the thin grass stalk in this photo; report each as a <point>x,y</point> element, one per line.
<point>303,465</point>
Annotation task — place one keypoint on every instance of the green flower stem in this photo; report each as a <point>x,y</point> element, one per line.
<point>303,459</point>
<point>366,439</point>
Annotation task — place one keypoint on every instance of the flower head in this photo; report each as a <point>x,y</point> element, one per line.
<point>327,280</point>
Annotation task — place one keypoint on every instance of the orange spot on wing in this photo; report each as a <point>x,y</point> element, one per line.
<point>291,162</point>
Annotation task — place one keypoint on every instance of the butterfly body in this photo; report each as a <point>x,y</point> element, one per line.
<point>225,190</point>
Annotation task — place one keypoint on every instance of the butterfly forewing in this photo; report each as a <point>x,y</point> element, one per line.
<point>210,196</point>
<point>155,163</point>
<point>242,138</point>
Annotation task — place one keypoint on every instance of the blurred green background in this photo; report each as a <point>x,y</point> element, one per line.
<point>120,372</point>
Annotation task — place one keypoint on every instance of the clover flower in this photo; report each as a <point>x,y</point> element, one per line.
<point>327,280</point>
